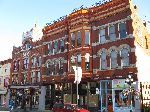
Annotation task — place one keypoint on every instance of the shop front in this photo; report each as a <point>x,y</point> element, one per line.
<point>115,96</point>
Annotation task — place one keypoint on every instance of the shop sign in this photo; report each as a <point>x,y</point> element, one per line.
<point>119,83</point>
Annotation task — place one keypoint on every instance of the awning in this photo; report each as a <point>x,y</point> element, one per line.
<point>23,87</point>
<point>3,91</point>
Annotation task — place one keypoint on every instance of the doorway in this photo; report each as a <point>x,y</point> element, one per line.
<point>106,104</point>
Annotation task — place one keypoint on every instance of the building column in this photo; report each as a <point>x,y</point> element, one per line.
<point>7,98</point>
<point>42,98</point>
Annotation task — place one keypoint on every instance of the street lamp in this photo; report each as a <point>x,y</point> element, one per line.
<point>129,81</point>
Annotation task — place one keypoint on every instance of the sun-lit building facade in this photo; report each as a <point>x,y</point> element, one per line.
<point>5,67</point>
<point>103,40</point>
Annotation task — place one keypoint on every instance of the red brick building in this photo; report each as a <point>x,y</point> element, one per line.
<point>102,40</point>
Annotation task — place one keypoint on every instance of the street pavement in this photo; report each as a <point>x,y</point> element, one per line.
<point>4,109</point>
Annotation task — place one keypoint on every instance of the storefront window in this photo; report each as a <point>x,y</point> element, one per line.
<point>123,100</point>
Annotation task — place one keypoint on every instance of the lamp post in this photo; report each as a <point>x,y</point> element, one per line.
<point>130,81</point>
<point>78,76</point>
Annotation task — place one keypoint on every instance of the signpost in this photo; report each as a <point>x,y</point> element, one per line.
<point>78,76</point>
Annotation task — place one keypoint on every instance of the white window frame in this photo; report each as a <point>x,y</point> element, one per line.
<point>116,64</point>
<point>102,38</point>
<point>124,59</point>
<point>112,33</point>
<point>103,61</point>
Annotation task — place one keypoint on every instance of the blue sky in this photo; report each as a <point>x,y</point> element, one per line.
<point>18,16</point>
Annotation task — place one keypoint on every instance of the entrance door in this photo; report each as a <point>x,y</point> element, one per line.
<point>106,96</point>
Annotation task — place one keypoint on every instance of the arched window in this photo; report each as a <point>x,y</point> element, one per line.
<point>103,61</point>
<point>113,57</point>
<point>33,61</point>
<point>124,57</point>
<point>48,68</point>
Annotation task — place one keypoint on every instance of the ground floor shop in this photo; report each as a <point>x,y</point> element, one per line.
<point>25,97</point>
<point>104,95</point>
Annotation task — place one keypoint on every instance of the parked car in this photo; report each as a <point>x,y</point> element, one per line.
<point>59,107</point>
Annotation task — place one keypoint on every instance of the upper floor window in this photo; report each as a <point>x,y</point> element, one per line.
<point>55,47</point>
<point>16,65</point>
<point>54,68</point>
<point>62,45</point>
<point>79,59</point>
<point>38,76</point>
<point>33,61</point>
<point>50,48</point>
<point>39,61</point>
<point>122,30</point>
<point>60,67</point>
<point>103,61</point>
<point>79,39</point>
<point>72,40</point>
<point>113,57</point>
<point>87,61</point>
<point>33,77</point>
<point>25,63</point>
<point>48,68</point>
<point>124,57</point>
<point>112,34</point>
<point>27,46</point>
<point>102,38</point>
<point>87,38</point>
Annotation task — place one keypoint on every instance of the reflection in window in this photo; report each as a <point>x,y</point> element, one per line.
<point>124,57</point>
<point>123,100</point>
<point>112,34</point>
<point>113,57</point>
<point>78,38</point>
<point>87,38</point>
<point>102,38</point>
<point>122,30</point>
<point>103,61</point>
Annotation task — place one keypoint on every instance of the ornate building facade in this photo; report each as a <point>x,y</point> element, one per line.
<point>102,40</point>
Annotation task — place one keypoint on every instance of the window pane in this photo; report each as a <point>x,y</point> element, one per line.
<point>103,61</point>
<point>55,47</point>
<point>72,40</point>
<point>50,50</point>
<point>113,59</point>
<point>62,45</point>
<point>122,30</point>
<point>87,38</point>
<point>102,38</point>
<point>112,34</point>
<point>78,38</point>
<point>124,57</point>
